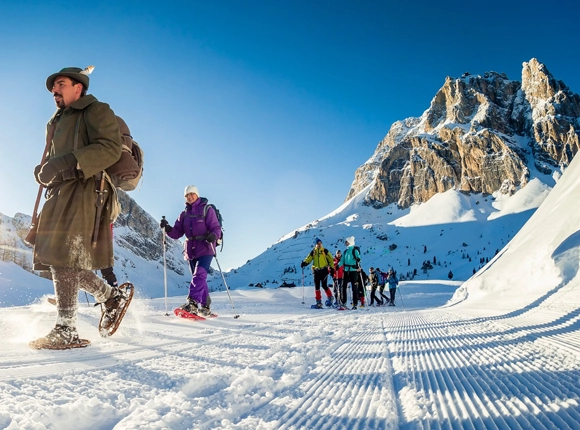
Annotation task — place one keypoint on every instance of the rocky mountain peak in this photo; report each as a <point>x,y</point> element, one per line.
<point>481,134</point>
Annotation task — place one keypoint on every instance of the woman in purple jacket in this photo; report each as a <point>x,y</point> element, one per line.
<point>201,228</point>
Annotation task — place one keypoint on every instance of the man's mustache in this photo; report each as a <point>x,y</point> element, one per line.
<point>57,94</point>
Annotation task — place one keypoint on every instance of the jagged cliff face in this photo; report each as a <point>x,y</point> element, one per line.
<point>481,134</point>
<point>143,236</point>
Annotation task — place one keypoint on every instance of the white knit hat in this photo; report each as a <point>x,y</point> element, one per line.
<point>191,189</point>
<point>350,240</point>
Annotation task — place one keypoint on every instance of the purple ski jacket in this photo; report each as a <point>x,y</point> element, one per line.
<point>194,226</point>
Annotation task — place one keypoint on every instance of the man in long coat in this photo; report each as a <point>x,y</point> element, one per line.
<point>84,140</point>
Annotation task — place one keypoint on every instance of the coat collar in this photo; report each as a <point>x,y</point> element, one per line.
<point>80,104</point>
<point>199,202</point>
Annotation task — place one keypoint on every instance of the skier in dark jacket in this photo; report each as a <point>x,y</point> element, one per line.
<point>201,228</point>
<point>374,280</point>
<point>322,265</point>
<point>382,277</point>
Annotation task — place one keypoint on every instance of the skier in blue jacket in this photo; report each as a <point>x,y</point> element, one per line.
<point>393,282</point>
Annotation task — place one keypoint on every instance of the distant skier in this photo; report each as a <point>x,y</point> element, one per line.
<point>201,232</point>
<point>374,281</point>
<point>350,261</point>
<point>322,265</point>
<point>382,276</point>
<point>393,282</point>
<point>339,286</point>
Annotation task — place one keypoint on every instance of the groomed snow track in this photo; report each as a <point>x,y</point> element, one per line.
<point>378,368</point>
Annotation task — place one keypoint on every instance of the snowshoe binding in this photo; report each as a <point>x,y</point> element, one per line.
<point>60,337</point>
<point>318,305</point>
<point>113,310</point>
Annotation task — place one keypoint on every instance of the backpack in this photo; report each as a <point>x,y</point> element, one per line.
<point>353,255</point>
<point>220,240</point>
<point>359,253</point>
<point>128,170</point>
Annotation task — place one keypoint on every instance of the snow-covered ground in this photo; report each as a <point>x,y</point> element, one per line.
<point>283,365</point>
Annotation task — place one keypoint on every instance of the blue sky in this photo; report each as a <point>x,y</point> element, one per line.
<point>268,107</point>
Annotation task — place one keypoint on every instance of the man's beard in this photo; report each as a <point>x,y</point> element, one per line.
<point>59,102</point>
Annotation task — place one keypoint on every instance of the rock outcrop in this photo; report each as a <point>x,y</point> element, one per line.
<point>481,134</point>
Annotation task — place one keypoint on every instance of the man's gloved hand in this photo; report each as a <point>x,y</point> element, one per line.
<point>36,172</point>
<point>210,238</point>
<point>357,259</point>
<point>303,264</point>
<point>54,166</point>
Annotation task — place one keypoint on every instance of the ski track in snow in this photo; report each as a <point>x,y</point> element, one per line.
<point>375,368</point>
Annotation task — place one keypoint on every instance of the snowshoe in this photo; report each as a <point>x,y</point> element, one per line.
<point>328,302</point>
<point>180,312</point>
<point>354,308</point>
<point>318,305</point>
<point>60,337</point>
<point>113,310</point>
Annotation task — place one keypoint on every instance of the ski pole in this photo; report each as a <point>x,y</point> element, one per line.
<point>362,283</point>
<point>400,295</point>
<point>87,297</point>
<point>224,279</point>
<point>303,285</point>
<point>164,267</point>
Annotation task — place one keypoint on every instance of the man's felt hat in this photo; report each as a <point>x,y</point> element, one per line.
<point>81,75</point>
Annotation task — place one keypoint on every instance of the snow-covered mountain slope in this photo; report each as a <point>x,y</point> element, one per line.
<point>455,232</point>
<point>539,268</point>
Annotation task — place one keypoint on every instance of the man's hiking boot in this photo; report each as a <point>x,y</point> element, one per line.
<point>114,308</point>
<point>111,306</point>
<point>319,304</point>
<point>60,337</point>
